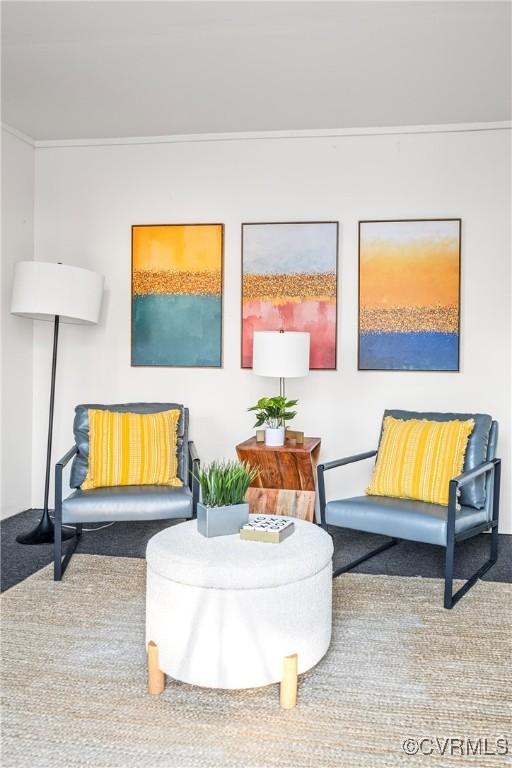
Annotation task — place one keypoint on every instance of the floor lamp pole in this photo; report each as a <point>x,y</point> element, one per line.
<point>43,534</point>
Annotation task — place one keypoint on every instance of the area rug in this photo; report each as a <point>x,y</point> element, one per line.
<point>401,671</point>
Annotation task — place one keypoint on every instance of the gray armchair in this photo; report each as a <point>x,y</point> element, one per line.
<point>131,502</point>
<point>479,488</point>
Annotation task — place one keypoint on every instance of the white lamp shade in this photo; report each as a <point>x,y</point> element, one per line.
<point>283,354</point>
<point>42,290</point>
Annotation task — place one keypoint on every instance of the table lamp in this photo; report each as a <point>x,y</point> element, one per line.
<point>58,293</point>
<point>282,354</point>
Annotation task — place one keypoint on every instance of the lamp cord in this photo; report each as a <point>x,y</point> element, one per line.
<point>85,530</point>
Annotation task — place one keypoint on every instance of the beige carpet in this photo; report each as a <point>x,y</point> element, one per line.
<point>399,667</point>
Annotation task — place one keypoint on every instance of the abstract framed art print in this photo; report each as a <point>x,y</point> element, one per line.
<point>289,283</point>
<point>177,295</point>
<point>409,295</point>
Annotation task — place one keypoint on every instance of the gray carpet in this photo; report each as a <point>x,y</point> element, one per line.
<point>130,539</point>
<point>399,668</point>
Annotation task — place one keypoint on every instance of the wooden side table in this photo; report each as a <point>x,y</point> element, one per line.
<point>286,481</point>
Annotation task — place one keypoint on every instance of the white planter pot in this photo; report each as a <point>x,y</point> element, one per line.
<point>274,436</point>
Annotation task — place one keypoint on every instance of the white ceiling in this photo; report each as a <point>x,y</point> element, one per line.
<point>109,69</point>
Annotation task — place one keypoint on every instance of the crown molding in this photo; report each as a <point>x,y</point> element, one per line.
<point>273,135</point>
<point>18,134</point>
<point>323,133</point>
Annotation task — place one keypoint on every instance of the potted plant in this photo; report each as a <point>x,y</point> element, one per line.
<point>223,509</point>
<point>273,412</point>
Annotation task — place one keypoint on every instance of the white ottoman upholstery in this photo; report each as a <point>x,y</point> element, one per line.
<point>224,612</point>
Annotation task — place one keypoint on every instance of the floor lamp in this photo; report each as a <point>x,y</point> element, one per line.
<point>62,294</point>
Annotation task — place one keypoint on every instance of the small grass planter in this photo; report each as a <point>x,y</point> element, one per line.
<point>223,509</point>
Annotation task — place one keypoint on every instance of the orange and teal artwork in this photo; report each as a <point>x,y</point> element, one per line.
<point>177,295</point>
<point>289,283</point>
<point>409,295</point>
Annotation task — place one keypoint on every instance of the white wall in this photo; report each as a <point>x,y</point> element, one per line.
<point>16,355</point>
<point>87,198</point>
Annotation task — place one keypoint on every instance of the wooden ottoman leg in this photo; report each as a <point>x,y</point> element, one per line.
<point>156,678</point>
<point>288,691</point>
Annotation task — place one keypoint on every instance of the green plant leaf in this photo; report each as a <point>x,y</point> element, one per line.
<point>224,483</point>
<point>273,411</point>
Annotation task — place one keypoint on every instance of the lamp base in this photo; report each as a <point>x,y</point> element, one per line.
<point>44,533</point>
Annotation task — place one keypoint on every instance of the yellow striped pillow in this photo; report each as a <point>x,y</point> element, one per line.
<point>132,449</point>
<point>418,458</point>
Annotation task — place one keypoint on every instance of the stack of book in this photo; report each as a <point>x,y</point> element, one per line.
<point>267,528</point>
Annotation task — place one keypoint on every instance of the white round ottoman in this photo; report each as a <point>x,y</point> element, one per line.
<point>228,613</point>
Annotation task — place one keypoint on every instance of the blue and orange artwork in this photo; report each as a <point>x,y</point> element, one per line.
<point>177,295</point>
<point>409,282</point>
<point>289,283</point>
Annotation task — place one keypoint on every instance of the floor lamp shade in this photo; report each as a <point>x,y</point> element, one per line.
<point>43,290</point>
<point>283,354</point>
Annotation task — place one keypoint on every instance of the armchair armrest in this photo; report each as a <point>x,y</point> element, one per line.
<point>67,457</point>
<point>470,474</point>
<point>193,480</point>
<point>332,465</point>
<point>347,460</point>
<point>192,451</point>
<point>493,466</point>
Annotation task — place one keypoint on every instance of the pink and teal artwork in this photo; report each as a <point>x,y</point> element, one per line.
<point>177,295</point>
<point>409,288</point>
<point>289,283</point>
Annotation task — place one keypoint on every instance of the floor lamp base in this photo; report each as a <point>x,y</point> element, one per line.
<point>44,533</point>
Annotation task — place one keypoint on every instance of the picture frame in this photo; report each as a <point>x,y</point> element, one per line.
<point>177,295</point>
<point>425,336</point>
<point>280,289</point>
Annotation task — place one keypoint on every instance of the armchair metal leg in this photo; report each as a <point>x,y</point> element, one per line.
<point>494,543</point>
<point>61,563</point>
<point>451,599</point>
<point>354,563</point>
<point>495,509</point>
<point>64,561</point>
<point>448,574</point>
<point>57,550</point>
<point>193,479</point>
